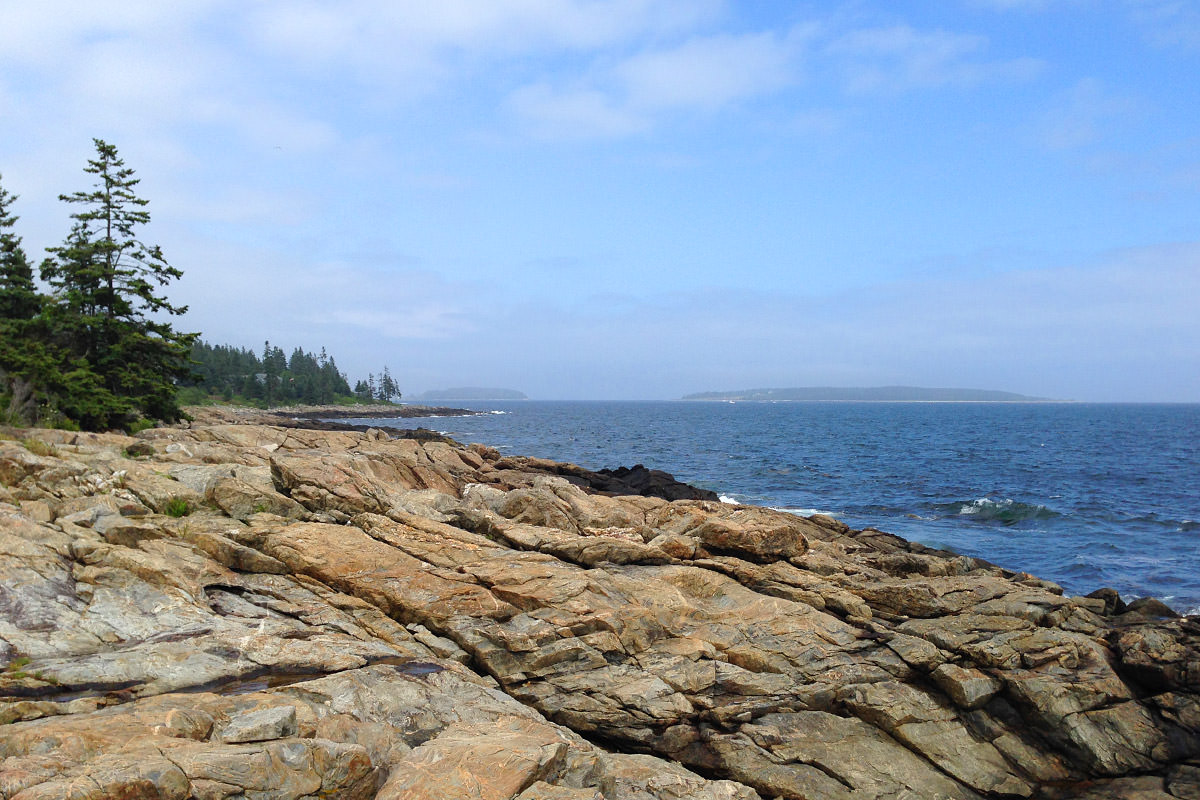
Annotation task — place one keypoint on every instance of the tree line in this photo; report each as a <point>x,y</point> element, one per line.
<point>239,375</point>
<point>98,351</point>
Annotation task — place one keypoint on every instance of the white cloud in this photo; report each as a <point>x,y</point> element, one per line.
<point>900,58</point>
<point>703,73</point>
<point>47,32</point>
<point>708,72</point>
<point>1019,5</point>
<point>1174,23</point>
<point>574,113</point>
<point>414,45</point>
<point>1082,115</point>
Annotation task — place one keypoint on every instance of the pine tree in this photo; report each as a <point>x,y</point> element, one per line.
<point>19,299</point>
<point>106,307</point>
<point>22,355</point>
<point>387,386</point>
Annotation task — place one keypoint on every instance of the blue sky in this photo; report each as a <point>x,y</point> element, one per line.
<point>639,199</point>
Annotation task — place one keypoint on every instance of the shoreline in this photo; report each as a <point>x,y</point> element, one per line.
<point>528,614</point>
<point>377,411</point>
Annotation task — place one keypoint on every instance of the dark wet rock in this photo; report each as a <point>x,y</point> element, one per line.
<point>1150,608</point>
<point>647,483</point>
<point>1113,604</point>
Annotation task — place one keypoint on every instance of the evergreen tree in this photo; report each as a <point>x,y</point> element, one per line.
<point>105,284</point>
<point>19,299</point>
<point>22,355</point>
<point>387,386</point>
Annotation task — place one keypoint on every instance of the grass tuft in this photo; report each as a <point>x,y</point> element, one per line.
<point>39,448</point>
<point>178,507</point>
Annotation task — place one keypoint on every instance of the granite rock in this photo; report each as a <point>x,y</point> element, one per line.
<point>347,614</point>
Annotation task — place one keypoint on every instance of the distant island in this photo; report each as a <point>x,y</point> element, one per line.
<point>875,394</point>
<point>467,393</point>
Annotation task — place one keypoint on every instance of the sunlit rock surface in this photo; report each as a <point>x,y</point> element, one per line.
<point>344,614</point>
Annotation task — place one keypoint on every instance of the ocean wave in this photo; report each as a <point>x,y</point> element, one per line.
<point>497,412</point>
<point>730,499</point>
<point>802,512</point>
<point>1005,511</point>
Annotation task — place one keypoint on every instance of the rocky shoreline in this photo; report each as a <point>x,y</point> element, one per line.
<point>245,608</point>
<point>367,411</point>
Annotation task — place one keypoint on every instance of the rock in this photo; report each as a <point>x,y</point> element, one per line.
<point>259,726</point>
<point>545,791</point>
<point>1151,608</point>
<point>647,483</point>
<point>344,613</point>
<point>1113,604</point>
<point>968,688</point>
<point>241,500</point>
<point>1183,781</point>
<point>493,761</point>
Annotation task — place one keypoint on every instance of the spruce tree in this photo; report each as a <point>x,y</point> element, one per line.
<point>106,306</point>
<point>22,356</point>
<point>19,299</point>
<point>387,386</point>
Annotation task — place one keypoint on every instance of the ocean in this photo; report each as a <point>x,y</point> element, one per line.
<point>1086,495</point>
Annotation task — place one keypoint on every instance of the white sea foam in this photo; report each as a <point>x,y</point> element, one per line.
<point>735,500</point>
<point>497,412</point>
<point>803,512</point>
<point>984,505</point>
<point>1005,510</point>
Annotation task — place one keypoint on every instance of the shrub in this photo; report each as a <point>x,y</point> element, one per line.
<point>39,448</point>
<point>139,425</point>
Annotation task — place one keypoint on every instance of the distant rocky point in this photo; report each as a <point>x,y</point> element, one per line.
<point>468,393</point>
<point>875,394</point>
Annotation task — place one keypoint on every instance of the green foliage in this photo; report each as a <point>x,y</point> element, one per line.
<point>21,357</point>
<point>19,299</point>
<point>104,282</point>
<point>97,352</point>
<point>177,507</point>
<point>139,425</point>
<point>239,375</point>
<point>377,391</point>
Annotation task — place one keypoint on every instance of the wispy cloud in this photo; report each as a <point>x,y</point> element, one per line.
<point>1083,114</point>
<point>708,72</point>
<point>900,58</point>
<point>414,46</point>
<point>574,113</point>
<point>1169,23</point>
<point>1020,5</point>
<point>701,74</point>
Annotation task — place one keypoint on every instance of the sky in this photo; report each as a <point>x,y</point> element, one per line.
<point>640,199</point>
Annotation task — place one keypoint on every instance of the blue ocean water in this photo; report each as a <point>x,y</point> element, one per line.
<point>1086,495</point>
